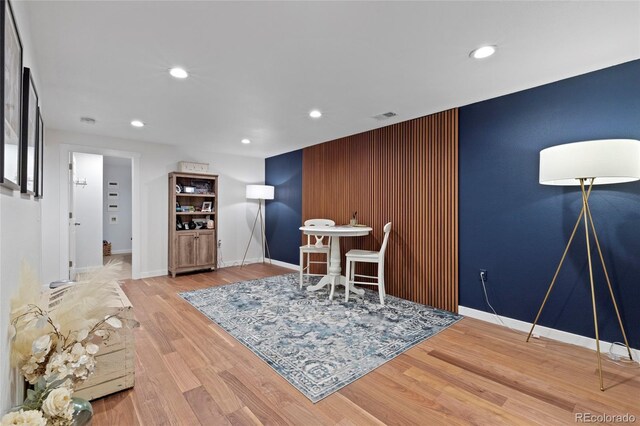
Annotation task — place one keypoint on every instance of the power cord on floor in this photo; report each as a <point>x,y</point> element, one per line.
<point>612,357</point>
<point>622,359</point>
<point>486,298</point>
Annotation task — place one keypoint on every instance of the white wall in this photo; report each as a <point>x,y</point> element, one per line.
<point>156,161</point>
<point>19,239</point>
<point>118,234</point>
<point>87,203</point>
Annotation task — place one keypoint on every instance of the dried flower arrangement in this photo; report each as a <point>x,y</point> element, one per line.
<point>54,346</point>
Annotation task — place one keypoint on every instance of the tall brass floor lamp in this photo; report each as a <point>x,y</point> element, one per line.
<point>587,164</point>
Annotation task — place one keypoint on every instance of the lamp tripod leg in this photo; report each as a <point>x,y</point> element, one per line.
<point>250,238</point>
<point>585,207</point>
<point>261,229</point>
<point>263,237</point>
<point>555,276</point>
<point>606,274</point>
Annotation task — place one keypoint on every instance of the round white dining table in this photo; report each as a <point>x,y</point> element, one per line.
<point>335,269</point>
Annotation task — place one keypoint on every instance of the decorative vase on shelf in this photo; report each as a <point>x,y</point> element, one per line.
<point>82,412</point>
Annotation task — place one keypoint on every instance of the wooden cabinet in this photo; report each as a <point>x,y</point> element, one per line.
<point>193,204</point>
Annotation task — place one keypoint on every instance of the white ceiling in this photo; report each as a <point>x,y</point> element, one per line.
<point>257,68</point>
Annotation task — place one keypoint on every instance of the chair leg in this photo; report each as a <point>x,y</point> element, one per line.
<point>381,291</point>
<point>301,268</point>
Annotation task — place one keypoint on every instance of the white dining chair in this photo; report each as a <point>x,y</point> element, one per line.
<point>315,244</point>
<point>367,256</point>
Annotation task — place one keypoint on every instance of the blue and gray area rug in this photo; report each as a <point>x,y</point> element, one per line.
<point>318,345</point>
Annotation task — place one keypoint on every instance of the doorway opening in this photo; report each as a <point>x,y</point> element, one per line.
<point>100,212</point>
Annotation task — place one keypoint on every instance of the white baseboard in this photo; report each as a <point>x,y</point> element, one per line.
<point>549,333</point>
<point>285,265</point>
<point>238,262</point>
<point>123,251</point>
<point>87,269</point>
<point>151,274</point>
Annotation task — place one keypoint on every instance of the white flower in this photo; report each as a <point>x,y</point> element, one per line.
<point>114,322</point>
<point>82,334</point>
<point>77,349</point>
<point>58,404</point>
<point>29,417</point>
<point>41,345</point>
<point>92,349</point>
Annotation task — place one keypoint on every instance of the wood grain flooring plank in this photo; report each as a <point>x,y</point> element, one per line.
<point>244,417</point>
<point>225,398</point>
<point>205,407</point>
<point>514,383</point>
<point>182,374</point>
<point>253,401</point>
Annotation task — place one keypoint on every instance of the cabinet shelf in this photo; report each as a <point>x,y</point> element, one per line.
<point>182,194</point>
<point>189,213</point>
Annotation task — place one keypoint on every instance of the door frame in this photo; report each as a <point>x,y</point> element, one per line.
<point>65,151</point>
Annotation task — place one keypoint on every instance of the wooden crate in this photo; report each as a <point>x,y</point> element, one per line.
<point>115,361</point>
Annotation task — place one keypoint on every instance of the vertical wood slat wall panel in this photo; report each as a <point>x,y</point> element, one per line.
<point>406,173</point>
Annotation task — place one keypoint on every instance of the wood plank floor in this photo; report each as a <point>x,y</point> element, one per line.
<point>190,372</point>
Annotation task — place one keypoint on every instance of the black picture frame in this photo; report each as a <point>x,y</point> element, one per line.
<point>40,157</point>
<point>11,61</point>
<point>29,135</point>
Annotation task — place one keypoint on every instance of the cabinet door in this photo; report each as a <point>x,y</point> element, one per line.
<point>185,249</point>
<point>206,253</point>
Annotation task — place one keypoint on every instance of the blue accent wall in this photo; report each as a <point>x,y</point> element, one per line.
<point>517,229</point>
<point>284,213</point>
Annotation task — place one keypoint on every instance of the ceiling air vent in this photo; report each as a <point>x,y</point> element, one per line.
<point>87,120</point>
<point>385,116</point>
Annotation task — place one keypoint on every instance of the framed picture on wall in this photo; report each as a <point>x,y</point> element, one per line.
<point>40,156</point>
<point>29,134</point>
<point>11,89</point>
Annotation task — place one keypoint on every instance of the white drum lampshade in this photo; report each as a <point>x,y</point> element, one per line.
<point>260,192</point>
<point>608,161</point>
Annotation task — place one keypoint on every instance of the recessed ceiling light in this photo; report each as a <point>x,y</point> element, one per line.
<point>137,123</point>
<point>482,52</point>
<point>315,114</point>
<point>245,141</point>
<point>178,72</point>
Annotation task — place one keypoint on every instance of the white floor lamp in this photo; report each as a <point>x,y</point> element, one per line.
<point>590,163</point>
<point>260,193</point>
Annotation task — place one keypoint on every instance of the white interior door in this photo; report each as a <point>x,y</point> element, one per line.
<point>86,212</point>
<point>72,218</point>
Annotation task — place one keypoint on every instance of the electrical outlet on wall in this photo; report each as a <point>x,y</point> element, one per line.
<point>219,243</point>
<point>483,275</point>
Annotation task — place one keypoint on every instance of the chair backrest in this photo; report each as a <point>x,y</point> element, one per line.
<point>387,231</point>
<point>319,223</point>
